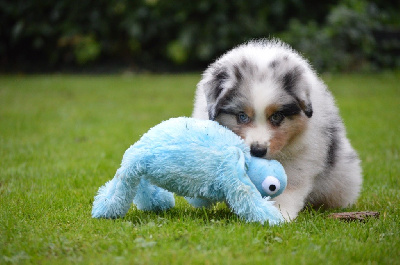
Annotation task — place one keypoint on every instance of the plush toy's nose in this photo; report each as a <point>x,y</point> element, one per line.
<point>271,185</point>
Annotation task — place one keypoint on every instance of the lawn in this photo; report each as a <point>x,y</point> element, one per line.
<point>63,136</point>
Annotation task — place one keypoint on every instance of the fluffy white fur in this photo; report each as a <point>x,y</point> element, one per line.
<point>270,96</point>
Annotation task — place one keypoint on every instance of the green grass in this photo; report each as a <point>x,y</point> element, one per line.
<point>61,137</point>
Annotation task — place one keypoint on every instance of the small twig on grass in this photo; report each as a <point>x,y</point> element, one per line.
<point>354,216</point>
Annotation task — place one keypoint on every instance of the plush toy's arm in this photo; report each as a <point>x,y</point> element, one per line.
<point>244,198</point>
<point>249,205</point>
<point>114,198</point>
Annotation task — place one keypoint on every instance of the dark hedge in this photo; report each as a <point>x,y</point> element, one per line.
<point>335,35</point>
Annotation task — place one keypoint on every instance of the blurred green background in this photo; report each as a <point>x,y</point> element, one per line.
<point>186,35</point>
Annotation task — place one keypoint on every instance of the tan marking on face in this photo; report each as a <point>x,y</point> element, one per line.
<point>241,129</point>
<point>271,109</point>
<point>250,112</point>
<point>230,121</point>
<point>286,133</point>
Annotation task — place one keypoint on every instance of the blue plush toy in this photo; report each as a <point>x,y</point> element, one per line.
<point>201,160</point>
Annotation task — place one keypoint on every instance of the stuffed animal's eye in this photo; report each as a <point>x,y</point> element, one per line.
<point>243,118</point>
<point>271,185</point>
<point>277,118</point>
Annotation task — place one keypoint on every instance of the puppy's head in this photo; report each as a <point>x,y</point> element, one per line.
<point>260,91</point>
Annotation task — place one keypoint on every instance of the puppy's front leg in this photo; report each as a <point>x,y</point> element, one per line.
<point>292,200</point>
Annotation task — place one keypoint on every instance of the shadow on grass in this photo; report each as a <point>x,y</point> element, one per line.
<point>218,214</point>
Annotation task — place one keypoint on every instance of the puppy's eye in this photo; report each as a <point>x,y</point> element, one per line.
<point>277,118</point>
<point>243,118</point>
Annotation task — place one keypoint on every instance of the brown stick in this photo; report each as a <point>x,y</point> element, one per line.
<point>354,216</point>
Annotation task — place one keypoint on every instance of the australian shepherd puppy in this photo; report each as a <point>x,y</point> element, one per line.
<point>269,95</point>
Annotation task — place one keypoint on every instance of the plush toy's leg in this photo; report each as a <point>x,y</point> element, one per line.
<point>199,202</point>
<point>246,201</point>
<point>115,197</point>
<point>152,198</point>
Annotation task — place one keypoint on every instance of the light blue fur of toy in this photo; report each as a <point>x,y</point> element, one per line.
<point>198,159</point>
<point>262,173</point>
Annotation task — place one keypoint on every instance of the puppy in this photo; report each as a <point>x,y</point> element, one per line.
<point>269,95</point>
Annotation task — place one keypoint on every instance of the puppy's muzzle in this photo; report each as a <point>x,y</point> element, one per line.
<point>258,150</point>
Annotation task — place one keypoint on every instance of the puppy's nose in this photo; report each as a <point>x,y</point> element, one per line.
<point>258,150</point>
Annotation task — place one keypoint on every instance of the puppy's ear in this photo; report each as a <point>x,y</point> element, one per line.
<point>306,106</point>
<point>215,84</point>
<point>295,84</point>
